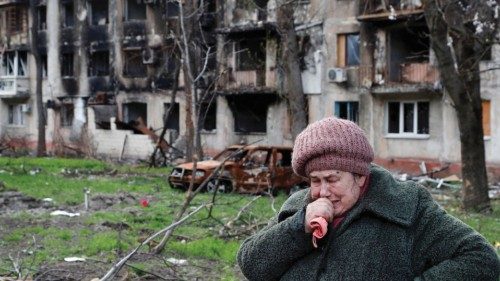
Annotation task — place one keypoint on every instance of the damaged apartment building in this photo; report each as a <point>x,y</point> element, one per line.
<point>109,73</point>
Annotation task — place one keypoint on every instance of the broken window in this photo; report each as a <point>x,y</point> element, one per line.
<point>103,114</point>
<point>44,65</point>
<point>42,18</point>
<point>207,118</point>
<point>133,64</point>
<point>67,114</point>
<point>250,112</point>
<point>99,63</point>
<point>407,46</point>
<point>348,50</point>
<point>67,66</point>
<point>250,54</point>
<point>14,63</point>
<point>408,118</point>
<point>136,10</point>
<point>172,9</point>
<point>257,158</point>
<point>16,116</point>
<point>135,110</point>
<point>16,17</point>
<point>68,13</point>
<point>283,158</point>
<point>486,107</point>
<point>173,118</point>
<point>99,12</point>
<point>347,110</point>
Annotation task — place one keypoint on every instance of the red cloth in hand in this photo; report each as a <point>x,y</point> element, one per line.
<point>319,227</point>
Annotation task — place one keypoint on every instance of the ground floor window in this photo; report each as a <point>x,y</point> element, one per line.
<point>16,116</point>
<point>207,118</point>
<point>250,112</point>
<point>347,110</point>
<point>133,111</point>
<point>408,118</point>
<point>173,120</point>
<point>67,114</point>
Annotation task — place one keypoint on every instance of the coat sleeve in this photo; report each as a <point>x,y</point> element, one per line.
<point>447,249</point>
<point>268,254</point>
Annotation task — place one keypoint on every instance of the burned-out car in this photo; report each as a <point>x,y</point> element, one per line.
<point>245,169</point>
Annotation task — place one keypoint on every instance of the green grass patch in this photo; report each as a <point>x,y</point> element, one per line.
<point>210,248</point>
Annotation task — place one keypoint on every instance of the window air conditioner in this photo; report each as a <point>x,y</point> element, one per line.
<point>148,56</point>
<point>337,75</point>
<point>26,108</point>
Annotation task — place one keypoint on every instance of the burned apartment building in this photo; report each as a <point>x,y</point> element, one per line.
<point>382,74</point>
<point>108,77</point>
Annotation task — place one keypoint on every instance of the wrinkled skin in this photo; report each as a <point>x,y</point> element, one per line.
<point>333,193</point>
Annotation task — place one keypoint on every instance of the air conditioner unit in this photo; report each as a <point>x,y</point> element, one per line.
<point>26,108</point>
<point>148,56</point>
<point>337,75</point>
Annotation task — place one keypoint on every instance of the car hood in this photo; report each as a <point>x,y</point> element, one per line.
<point>202,165</point>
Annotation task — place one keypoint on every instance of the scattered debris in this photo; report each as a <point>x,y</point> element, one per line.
<point>64,213</point>
<point>175,261</point>
<point>14,201</point>
<point>74,259</point>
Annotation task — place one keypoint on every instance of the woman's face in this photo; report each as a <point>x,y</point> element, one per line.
<point>341,188</point>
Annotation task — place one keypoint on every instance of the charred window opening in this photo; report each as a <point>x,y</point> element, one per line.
<point>99,64</point>
<point>173,117</point>
<point>99,12</point>
<point>67,114</point>
<point>16,17</point>
<point>348,50</point>
<point>250,54</point>
<point>250,112</point>
<point>67,65</point>
<point>103,115</point>
<point>407,46</point>
<point>136,10</point>
<point>172,9</point>
<point>134,111</point>
<point>257,158</point>
<point>252,5</point>
<point>347,110</point>
<point>133,66</point>
<point>14,64</point>
<point>16,115</point>
<point>207,118</point>
<point>42,18</point>
<point>44,65</point>
<point>69,14</point>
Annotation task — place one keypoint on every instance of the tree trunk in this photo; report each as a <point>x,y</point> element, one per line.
<point>459,69</point>
<point>41,149</point>
<point>291,67</point>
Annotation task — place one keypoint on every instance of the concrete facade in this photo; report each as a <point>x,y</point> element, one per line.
<point>106,63</point>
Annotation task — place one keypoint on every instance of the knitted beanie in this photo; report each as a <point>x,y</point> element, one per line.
<point>332,144</point>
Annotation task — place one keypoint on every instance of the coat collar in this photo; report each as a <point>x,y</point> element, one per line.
<point>389,198</point>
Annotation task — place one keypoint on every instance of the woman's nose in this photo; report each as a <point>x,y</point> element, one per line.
<point>324,191</point>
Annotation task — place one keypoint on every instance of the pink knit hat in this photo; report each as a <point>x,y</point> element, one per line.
<point>332,144</point>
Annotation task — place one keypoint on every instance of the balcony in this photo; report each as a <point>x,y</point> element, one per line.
<point>12,2</point>
<point>14,86</point>
<point>134,34</point>
<point>415,77</point>
<point>383,10</point>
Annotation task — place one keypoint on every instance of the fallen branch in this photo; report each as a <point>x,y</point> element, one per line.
<point>112,272</point>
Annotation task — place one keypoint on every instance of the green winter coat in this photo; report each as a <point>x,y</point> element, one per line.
<point>396,232</point>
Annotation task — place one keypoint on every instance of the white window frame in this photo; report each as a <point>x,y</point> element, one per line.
<point>14,61</point>
<point>16,115</point>
<point>402,134</point>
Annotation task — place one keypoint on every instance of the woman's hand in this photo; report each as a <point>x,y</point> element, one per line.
<point>321,207</point>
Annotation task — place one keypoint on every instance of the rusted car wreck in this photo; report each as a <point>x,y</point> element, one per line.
<point>246,169</point>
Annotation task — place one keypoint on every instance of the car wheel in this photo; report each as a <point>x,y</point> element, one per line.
<point>223,186</point>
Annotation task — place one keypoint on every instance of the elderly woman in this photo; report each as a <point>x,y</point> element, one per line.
<point>356,222</point>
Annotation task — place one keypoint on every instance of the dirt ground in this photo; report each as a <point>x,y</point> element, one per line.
<point>13,202</point>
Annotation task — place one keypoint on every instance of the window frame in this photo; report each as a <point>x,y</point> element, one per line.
<point>343,48</point>
<point>352,109</point>
<point>15,110</point>
<point>402,134</point>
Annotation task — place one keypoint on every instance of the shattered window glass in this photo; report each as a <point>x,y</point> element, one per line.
<point>408,118</point>
<point>393,126</point>
<point>352,54</point>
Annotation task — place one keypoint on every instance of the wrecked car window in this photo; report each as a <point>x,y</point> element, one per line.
<point>226,153</point>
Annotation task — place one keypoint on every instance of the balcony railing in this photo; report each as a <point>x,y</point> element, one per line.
<point>11,86</point>
<point>12,2</point>
<point>418,73</point>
